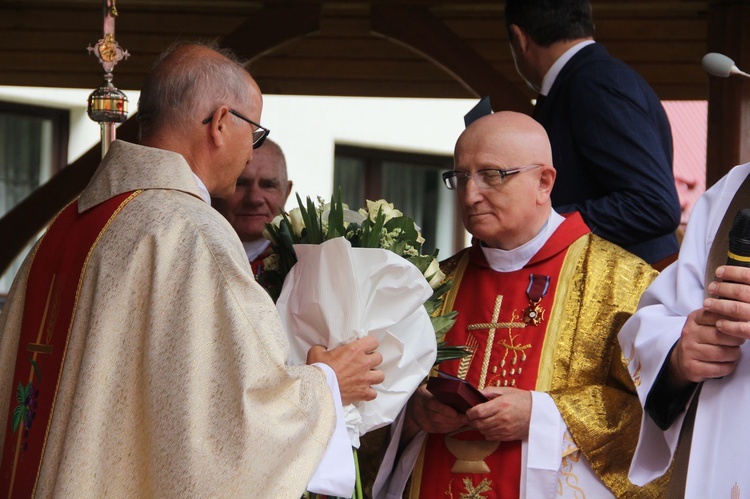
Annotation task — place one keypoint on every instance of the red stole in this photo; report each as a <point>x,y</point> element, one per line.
<point>490,309</point>
<point>53,284</point>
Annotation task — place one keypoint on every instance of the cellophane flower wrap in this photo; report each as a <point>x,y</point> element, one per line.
<point>342,275</point>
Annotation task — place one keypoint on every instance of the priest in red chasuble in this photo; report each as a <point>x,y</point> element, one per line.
<point>540,300</point>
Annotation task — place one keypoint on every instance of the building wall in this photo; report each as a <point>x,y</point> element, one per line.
<point>307,128</point>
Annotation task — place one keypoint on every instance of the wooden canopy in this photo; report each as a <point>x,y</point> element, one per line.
<point>379,48</point>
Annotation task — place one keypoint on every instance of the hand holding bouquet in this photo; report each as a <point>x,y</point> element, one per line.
<point>340,275</point>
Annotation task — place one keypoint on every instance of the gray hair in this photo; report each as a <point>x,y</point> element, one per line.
<point>182,87</point>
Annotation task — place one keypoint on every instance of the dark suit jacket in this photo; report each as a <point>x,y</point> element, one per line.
<point>612,148</point>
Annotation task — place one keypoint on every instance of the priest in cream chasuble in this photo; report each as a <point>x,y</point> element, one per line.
<point>138,356</point>
<point>540,300</point>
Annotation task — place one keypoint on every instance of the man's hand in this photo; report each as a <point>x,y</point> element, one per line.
<point>354,365</point>
<point>424,412</point>
<point>735,308</point>
<point>505,417</point>
<point>709,346</point>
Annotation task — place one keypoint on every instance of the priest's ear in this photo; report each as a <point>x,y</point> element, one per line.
<point>289,185</point>
<point>547,175</point>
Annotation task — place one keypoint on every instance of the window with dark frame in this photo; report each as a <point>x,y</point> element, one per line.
<point>411,181</point>
<point>33,148</point>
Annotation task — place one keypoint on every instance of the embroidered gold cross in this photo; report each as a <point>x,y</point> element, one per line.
<point>493,326</point>
<point>39,347</point>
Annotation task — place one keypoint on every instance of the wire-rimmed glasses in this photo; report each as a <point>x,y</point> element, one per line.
<point>485,179</point>
<point>259,134</point>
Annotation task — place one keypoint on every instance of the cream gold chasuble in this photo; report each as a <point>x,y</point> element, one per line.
<point>550,327</point>
<point>175,381</point>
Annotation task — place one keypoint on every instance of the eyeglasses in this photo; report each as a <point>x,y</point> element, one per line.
<point>259,134</point>
<point>485,179</point>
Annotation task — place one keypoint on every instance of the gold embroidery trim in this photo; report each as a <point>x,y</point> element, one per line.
<point>450,297</point>
<point>565,281</point>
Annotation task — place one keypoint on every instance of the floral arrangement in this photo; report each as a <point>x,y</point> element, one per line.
<point>380,225</point>
<point>326,255</point>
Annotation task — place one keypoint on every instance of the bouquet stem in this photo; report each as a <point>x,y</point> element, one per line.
<point>358,483</point>
<point>358,494</point>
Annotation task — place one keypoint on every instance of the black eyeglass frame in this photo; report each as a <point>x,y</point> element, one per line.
<point>257,142</point>
<point>453,174</point>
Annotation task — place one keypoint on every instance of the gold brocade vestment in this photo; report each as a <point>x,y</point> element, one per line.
<point>175,380</point>
<point>572,354</point>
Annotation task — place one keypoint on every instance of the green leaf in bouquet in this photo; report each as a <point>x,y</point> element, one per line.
<point>284,239</point>
<point>445,352</point>
<point>371,231</point>
<point>408,230</point>
<point>441,290</point>
<point>432,306</point>
<point>422,262</point>
<point>442,323</point>
<point>311,218</point>
<point>336,218</point>
<point>354,234</point>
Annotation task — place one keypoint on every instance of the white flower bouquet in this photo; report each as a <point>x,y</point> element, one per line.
<point>338,275</point>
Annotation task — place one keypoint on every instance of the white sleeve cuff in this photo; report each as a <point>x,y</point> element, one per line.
<point>335,474</point>
<point>543,449</point>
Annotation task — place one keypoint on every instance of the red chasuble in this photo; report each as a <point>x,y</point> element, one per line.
<point>503,319</point>
<point>49,312</point>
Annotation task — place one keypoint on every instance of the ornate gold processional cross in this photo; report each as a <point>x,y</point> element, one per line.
<point>108,105</point>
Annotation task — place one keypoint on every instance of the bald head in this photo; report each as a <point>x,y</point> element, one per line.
<point>512,212</point>
<point>187,83</point>
<point>516,135</point>
<point>200,102</point>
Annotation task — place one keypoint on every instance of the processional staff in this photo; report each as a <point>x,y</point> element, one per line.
<point>107,105</point>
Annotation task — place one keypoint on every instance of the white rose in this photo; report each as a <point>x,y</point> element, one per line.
<point>433,274</point>
<point>326,208</point>
<point>276,222</point>
<point>298,223</point>
<point>373,207</point>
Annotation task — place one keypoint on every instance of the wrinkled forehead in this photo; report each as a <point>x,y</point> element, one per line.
<point>488,152</point>
<point>265,165</point>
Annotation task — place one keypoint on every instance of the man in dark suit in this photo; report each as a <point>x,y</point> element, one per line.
<point>611,139</point>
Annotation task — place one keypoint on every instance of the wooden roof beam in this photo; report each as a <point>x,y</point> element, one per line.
<point>417,29</point>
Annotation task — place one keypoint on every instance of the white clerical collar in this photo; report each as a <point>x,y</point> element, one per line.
<point>205,196</point>
<point>255,248</point>
<point>551,76</point>
<point>515,259</point>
